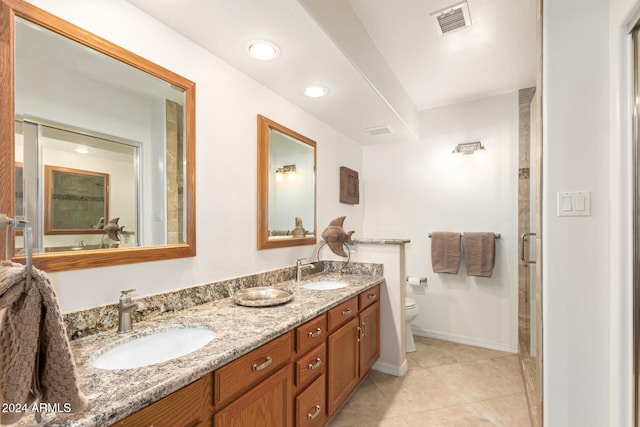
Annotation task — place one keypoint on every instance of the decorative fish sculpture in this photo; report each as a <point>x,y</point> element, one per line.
<point>336,236</point>
<point>100,224</point>
<point>299,231</point>
<point>113,230</point>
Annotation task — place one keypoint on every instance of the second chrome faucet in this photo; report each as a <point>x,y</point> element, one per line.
<point>301,265</point>
<point>125,307</point>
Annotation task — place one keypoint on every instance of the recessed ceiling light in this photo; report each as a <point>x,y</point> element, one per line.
<point>82,150</point>
<point>315,91</point>
<point>263,50</point>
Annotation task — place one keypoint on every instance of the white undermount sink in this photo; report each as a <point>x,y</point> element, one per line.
<point>156,347</point>
<point>325,285</point>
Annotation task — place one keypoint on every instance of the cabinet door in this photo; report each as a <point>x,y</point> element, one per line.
<point>369,337</point>
<point>342,364</point>
<point>189,406</point>
<point>268,404</point>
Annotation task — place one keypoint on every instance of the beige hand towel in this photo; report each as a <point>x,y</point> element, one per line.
<point>445,252</point>
<point>479,253</point>
<point>36,364</point>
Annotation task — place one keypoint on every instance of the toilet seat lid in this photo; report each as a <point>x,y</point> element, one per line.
<point>409,303</point>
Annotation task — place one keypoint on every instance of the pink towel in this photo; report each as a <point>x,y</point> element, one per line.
<point>445,252</point>
<point>479,253</point>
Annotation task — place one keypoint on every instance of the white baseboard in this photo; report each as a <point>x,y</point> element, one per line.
<point>386,368</point>
<point>464,340</point>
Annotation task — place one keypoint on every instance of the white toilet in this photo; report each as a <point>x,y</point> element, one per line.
<point>411,313</point>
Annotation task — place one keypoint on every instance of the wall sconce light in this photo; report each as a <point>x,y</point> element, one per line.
<point>287,170</point>
<point>468,148</point>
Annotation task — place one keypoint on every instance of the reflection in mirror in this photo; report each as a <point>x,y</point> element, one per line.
<point>75,201</point>
<point>84,107</point>
<point>286,186</point>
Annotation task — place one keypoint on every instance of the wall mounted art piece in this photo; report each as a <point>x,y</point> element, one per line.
<point>349,186</point>
<point>74,200</point>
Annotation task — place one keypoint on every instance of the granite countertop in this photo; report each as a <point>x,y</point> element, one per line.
<point>113,395</point>
<point>375,241</point>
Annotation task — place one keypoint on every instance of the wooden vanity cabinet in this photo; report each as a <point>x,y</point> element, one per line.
<point>257,388</point>
<point>369,306</point>
<point>353,347</point>
<point>300,378</point>
<point>310,366</point>
<point>265,405</point>
<point>311,405</point>
<point>236,377</point>
<point>189,406</point>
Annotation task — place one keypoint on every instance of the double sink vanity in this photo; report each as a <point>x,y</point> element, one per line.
<point>288,364</point>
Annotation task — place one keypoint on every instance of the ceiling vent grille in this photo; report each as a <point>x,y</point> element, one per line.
<point>452,18</point>
<point>378,130</point>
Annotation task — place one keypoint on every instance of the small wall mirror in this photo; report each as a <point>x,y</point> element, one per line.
<point>93,133</point>
<point>286,186</point>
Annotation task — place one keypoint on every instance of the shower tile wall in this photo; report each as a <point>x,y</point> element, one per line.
<point>524,99</point>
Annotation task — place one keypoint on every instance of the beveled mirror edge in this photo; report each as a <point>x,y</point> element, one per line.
<point>9,9</point>
<point>263,241</point>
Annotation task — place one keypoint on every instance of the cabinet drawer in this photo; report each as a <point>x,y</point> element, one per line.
<point>368,297</point>
<point>343,313</point>
<point>189,406</point>
<point>270,403</point>
<point>310,405</point>
<point>311,365</point>
<point>311,334</point>
<point>251,368</point>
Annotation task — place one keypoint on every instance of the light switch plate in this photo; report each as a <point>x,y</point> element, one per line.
<point>574,203</point>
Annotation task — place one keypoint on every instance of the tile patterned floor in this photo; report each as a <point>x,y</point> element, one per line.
<point>447,384</point>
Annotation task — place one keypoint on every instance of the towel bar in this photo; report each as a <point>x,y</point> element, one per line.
<point>496,235</point>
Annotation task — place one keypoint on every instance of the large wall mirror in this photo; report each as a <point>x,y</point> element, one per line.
<point>94,135</point>
<point>286,187</point>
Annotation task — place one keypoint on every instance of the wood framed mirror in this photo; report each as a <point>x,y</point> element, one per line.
<point>286,186</point>
<point>113,85</point>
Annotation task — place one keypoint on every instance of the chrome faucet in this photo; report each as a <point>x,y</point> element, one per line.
<point>125,307</point>
<point>302,264</point>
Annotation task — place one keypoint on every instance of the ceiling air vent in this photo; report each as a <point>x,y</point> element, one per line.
<point>452,18</point>
<point>378,130</point>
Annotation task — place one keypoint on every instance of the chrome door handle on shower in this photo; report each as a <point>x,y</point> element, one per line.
<point>523,240</point>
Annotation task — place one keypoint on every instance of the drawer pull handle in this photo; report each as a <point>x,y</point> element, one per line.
<point>316,365</point>
<point>346,312</point>
<point>373,296</point>
<point>266,363</point>
<point>315,334</point>
<point>315,414</point>
<point>364,329</point>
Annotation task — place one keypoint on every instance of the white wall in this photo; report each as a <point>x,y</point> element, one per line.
<point>588,96</point>
<point>415,188</point>
<point>226,133</point>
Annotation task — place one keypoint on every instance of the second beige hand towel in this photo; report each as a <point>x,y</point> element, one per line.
<point>479,253</point>
<point>445,252</point>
